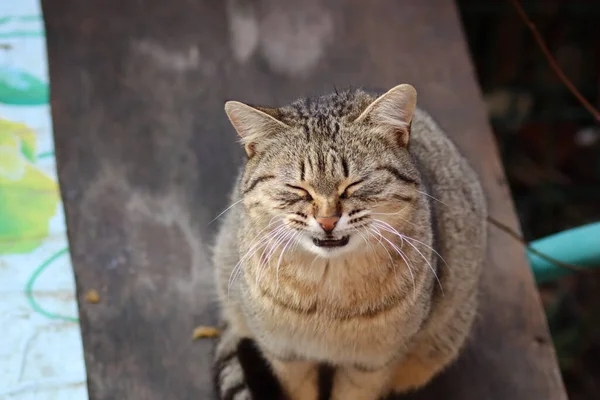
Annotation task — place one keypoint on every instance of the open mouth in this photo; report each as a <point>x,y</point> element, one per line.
<point>331,242</point>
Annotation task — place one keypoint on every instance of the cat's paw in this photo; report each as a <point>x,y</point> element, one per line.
<point>230,380</point>
<point>229,377</point>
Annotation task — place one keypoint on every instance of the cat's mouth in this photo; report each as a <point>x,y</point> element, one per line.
<point>331,242</point>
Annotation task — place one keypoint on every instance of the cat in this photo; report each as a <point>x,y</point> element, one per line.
<point>355,239</point>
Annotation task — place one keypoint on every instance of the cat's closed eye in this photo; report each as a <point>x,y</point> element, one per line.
<point>346,193</point>
<point>301,192</point>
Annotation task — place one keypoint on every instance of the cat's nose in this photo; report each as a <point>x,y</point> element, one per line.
<point>328,223</point>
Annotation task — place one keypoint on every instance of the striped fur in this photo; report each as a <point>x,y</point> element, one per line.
<point>389,309</point>
<point>228,373</point>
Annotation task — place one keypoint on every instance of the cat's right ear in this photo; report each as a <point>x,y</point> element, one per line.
<point>254,126</point>
<point>392,112</point>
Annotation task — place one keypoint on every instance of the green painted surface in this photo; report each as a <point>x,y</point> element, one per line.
<point>28,196</point>
<point>19,87</point>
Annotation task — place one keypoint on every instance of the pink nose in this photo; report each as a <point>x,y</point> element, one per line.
<point>328,223</point>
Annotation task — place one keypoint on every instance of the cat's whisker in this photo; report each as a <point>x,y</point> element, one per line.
<point>432,197</point>
<point>401,254</point>
<point>395,269</point>
<point>394,246</point>
<point>262,265</point>
<point>267,238</point>
<point>296,242</point>
<point>313,261</point>
<point>258,243</point>
<point>266,249</point>
<point>270,248</point>
<point>225,210</point>
<point>429,247</point>
<point>294,234</point>
<point>362,236</point>
<point>252,242</point>
<point>273,248</point>
<point>397,216</point>
<point>390,229</point>
<point>275,245</point>
<point>367,242</point>
<point>378,238</point>
<point>392,213</point>
<point>407,238</point>
<point>251,251</point>
<point>430,266</point>
<point>404,258</point>
<point>402,237</point>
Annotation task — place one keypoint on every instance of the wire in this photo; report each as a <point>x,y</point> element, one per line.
<point>29,288</point>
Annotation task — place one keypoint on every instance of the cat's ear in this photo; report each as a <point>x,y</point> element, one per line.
<point>255,126</point>
<point>392,112</point>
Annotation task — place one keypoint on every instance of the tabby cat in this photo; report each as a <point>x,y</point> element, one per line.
<point>355,240</point>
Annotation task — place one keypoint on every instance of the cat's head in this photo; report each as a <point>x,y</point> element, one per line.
<point>332,173</point>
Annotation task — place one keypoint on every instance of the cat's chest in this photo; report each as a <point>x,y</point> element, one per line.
<point>372,319</point>
<point>334,290</point>
<point>369,339</point>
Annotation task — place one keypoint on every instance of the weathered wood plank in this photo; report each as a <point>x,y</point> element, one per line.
<point>146,157</point>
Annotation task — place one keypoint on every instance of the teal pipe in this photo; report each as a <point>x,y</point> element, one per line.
<point>580,246</point>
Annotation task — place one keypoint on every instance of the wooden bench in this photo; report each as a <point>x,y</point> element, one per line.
<point>146,158</point>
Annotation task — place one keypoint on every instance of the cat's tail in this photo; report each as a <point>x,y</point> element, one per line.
<point>241,372</point>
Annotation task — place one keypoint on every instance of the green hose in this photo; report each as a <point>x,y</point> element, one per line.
<point>579,246</point>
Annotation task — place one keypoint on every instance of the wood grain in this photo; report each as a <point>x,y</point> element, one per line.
<point>146,158</point>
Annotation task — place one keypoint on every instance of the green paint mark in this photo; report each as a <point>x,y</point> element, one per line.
<point>26,18</point>
<point>45,155</point>
<point>29,289</point>
<point>20,88</point>
<point>28,200</point>
<point>21,34</point>
<point>22,18</point>
<point>28,196</point>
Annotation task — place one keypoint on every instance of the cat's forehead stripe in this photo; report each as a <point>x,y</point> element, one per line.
<point>324,115</point>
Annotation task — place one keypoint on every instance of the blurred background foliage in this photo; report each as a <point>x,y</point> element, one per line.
<point>550,147</point>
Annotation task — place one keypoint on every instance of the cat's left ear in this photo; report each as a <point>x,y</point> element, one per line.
<point>392,112</point>
<point>255,125</point>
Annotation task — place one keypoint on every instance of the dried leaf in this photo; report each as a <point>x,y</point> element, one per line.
<point>205,332</point>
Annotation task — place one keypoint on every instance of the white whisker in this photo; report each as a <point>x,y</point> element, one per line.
<point>388,228</point>
<point>274,246</point>
<point>434,198</point>
<point>378,238</point>
<point>429,247</point>
<point>403,219</point>
<point>392,213</point>
<point>269,249</point>
<point>296,243</point>
<point>225,210</point>
<point>252,250</point>
<point>313,261</point>
<point>294,234</point>
<point>367,242</point>
<point>406,261</point>
<point>430,266</point>
<point>402,237</point>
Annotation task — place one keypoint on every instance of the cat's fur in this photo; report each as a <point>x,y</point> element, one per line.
<point>388,313</point>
